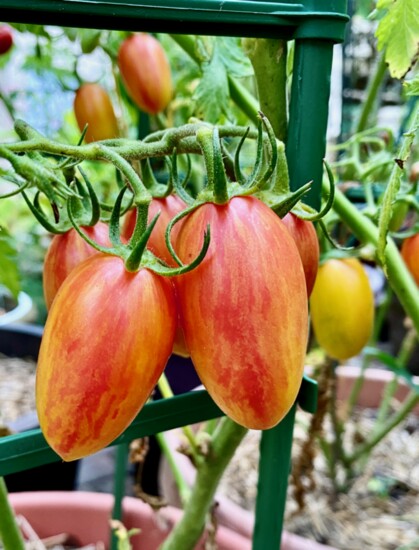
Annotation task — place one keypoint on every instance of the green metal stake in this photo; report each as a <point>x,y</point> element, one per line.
<point>122,451</point>
<point>306,142</point>
<point>274,467</point>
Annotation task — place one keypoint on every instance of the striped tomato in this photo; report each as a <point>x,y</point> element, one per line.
<point>106,342</point>
<point>65,252</point>
<point>244,309</point>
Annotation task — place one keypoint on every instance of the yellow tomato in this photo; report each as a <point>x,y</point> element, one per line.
<point>342,308</point>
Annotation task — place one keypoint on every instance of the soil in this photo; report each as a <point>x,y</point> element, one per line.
<point>380,511</point>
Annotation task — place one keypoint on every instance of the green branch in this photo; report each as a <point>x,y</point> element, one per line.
<point>399,277</point>
<point>186,533</point>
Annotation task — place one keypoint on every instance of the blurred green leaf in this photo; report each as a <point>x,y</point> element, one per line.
<point>212,93</point>
<point>9,273</point>
<point>412,86</point>
<point>233,57</point>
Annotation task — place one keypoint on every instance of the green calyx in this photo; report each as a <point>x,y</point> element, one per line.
<point>134,252</point>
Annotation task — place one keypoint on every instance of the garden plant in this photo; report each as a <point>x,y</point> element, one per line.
<point>173,228</point>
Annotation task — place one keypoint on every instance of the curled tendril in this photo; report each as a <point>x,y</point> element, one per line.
<point>170,226</point>
<point>239,177</point>
<point>20,188</point>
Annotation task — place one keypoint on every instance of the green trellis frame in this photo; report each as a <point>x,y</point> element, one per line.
<point>315,25</point>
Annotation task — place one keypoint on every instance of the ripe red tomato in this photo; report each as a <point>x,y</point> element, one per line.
<point>410,254</point>
<point>6,39</point>
<point>106,342</point>
<point>342,307</point>
<point>244,309</point>
<point>305,237</point>
<point>65,252</point>
<point>93,106</point>
<point>145,71</point>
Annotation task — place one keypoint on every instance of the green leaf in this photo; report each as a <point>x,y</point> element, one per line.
<point>232,55</point>
<point>412,86</point>
<point>9,273</point>
<point>212,93</point>
<point>398,33</point>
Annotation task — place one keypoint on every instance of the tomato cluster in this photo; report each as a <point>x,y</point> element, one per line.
<point>242,315</point>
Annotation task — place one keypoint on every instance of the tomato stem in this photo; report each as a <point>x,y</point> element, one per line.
<point>269,60</point>
<point>223,445</point>
<point>209,141</point>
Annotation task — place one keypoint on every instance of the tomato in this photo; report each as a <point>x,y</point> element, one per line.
<point>168,207</point>
<point>106,342</point>
<point>342,307</point>
<point>244,309</point>
<point>410,254</point>
<point>145,71</point>
<point>305,237</point>
<point>6,39</point>
<point>414,172</point>
<point>93,106</point>
<point>65,252</point>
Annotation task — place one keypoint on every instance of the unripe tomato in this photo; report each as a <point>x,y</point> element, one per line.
<point>410,254</point>
<point>244,309</point>
<point>65,252</point>
<point>305,237</point>
<point>93,106</point>
<point>342,307</point>
<point>106,342</point>
<point>145,71</point>
<point>6,39</point>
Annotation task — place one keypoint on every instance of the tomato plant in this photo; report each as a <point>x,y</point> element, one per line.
<point>146,73</point>
<point>6,39</point>
<point>342,307</point>
<point>93,106</point>
<point>305,237</point>
<point>244,309</point>
<point>410,254</point>
<point>65,252</point>
<point>114,345</point>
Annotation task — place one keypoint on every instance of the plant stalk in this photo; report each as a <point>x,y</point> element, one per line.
<point>269,60</point>
<point>9,531</point>
<point>186,533</point>
<point>373,88</point>
<point>408,404</point>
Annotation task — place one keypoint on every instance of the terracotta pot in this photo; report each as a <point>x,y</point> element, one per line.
<point>85,516</point>
<point>375,381</point>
